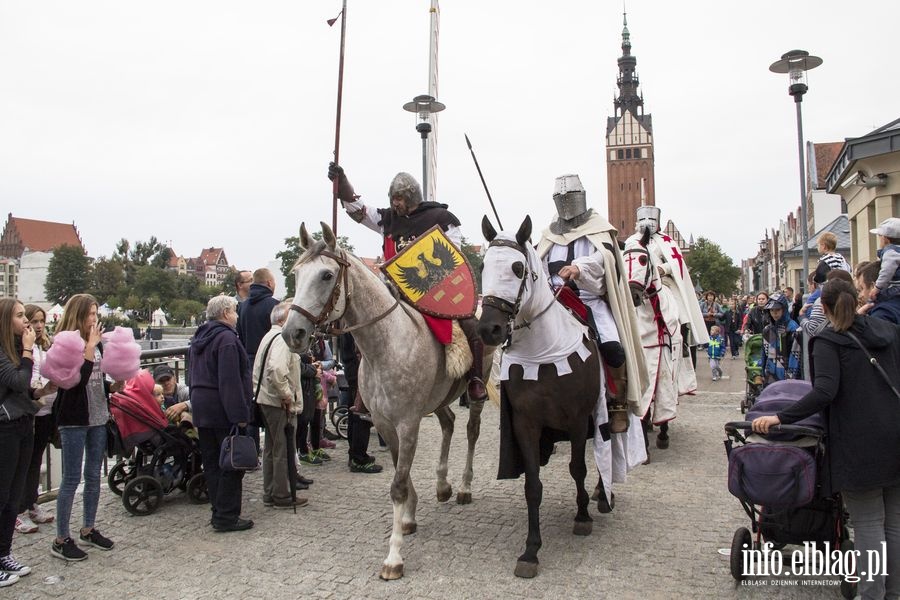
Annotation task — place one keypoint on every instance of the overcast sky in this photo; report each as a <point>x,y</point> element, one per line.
<point>212,122</point>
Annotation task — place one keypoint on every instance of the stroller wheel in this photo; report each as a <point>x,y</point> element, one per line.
<point>341,425</point>
<point>741,541</point>
<point>117,478</point>
<point>196,489</point>
<point>848,590</point>
<point>338,414</point>
<point>142,496</point>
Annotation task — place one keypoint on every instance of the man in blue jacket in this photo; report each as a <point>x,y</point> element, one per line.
<point>221,398</point>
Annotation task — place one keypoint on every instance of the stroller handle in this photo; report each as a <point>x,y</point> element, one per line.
<point>798,429</point>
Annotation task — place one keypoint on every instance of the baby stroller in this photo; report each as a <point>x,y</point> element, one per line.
<point>753,355</point>
<point>161,457</point>
<point>775,478</point>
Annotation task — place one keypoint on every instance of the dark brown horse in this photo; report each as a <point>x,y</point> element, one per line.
<point>550,375</point>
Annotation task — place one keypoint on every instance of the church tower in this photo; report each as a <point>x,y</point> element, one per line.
<point>629,146</point>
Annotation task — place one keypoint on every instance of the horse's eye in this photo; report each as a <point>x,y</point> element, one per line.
<point>327,276</point>
<point>519,269</point>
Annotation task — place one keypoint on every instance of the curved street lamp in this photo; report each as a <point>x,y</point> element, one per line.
<point>796,63</point>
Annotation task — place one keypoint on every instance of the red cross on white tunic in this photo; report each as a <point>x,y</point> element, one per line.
<point>630,259</point>
<point>679,257</point>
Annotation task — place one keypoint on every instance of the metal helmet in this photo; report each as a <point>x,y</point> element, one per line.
<point>406,186</point>
<point>569,197</point>
<point>648,217</point>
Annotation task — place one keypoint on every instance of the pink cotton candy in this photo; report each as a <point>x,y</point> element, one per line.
<point>121,354</point>
<point>62,365</point>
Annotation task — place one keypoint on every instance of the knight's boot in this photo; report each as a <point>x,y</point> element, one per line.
<point>476,390</point>
<point>617,405</point>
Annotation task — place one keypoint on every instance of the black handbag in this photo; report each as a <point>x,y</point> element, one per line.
<point>874,362</point>
<point>114,444</point>
<point>238,452</point>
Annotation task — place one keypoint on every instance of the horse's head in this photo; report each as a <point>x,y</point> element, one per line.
<point>320,284</point>
<point>638,263</point>
<point>505,273</point>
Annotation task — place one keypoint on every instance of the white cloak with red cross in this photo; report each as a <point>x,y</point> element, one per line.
<point>677,277</point>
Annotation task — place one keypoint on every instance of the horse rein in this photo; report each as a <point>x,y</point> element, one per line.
<point>511,310</point>
<point>341,280</point>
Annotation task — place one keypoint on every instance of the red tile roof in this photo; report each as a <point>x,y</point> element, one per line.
<point>37,236</point>
<point>826,154</point>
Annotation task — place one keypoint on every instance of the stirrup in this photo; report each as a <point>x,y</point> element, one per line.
<point>476,390</point>
<point>618,418</point>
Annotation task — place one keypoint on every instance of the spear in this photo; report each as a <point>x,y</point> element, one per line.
<point>486,190</point>
<point>337,124</point>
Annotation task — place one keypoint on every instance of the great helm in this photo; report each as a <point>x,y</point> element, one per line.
<point>406,186</point>
<point>648,216</point>
<point>569,197</point>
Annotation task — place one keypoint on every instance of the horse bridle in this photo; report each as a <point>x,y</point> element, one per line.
<point>648,273</point>
<point>511,310</point>
<point>340,280</point>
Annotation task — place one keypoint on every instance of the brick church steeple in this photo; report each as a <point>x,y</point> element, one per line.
<point>629,146</point>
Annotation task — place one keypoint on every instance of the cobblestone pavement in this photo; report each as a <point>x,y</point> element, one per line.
<point>661,541</point>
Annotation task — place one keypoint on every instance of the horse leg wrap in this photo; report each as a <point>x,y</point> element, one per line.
<point>617,405</point>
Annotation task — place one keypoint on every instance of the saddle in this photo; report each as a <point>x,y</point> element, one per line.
<point>568,298</point>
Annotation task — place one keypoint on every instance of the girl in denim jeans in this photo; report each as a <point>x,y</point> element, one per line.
<point>81,412</point>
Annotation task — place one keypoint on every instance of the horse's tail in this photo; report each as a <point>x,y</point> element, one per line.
<point>493,388</point>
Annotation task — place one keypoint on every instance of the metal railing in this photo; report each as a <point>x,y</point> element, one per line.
<point>176,357</point>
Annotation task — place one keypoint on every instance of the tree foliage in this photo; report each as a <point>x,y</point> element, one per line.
<point>107,278</point>
<point>475,261</point>
<point>711,268</point>
<point>68,273</point>
<point>291,253</point>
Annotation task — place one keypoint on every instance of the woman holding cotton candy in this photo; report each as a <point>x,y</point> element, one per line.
<point>81,409</point>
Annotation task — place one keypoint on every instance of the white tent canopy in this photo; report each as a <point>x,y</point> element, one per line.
<point>54,314</point>
<point>159,318</point>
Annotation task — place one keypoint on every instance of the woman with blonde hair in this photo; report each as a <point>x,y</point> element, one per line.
<point>17,408</point>
<point>81,412</point>
<point>856,378</point>
<point>30,512</point>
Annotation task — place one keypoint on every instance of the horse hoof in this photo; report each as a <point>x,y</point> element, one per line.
<point>391,572</point>
<point>596,494</point>
<point>662,443</point>
<point>583,527</point>
<point>526,570</point>
<point>408,529</point>
<point>444,495</point>
<point>605,506</point>
<point>464,498</point>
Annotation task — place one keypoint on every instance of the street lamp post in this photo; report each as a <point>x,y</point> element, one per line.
<point>424,105</point>
<point>796,63</point>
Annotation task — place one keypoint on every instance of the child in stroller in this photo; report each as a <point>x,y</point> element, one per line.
<point>160,456</point>
<point>753,359</point>
<point>776,479</point>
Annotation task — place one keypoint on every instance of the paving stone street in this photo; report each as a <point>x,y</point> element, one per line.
<point>662,540</point>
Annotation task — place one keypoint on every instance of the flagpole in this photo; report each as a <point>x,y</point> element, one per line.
<point>337,123</point>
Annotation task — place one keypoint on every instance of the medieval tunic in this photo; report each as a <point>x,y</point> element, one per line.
<point>597,256</point>
<point>399,231</point>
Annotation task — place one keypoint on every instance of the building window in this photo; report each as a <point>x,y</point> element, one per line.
<point>621,154</point>
<point>628,153</point>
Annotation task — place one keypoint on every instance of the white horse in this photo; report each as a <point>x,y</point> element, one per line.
<point>660,331</point>
<point>403,374</point>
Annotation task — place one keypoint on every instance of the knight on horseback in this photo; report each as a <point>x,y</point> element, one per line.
<point>400,224</point>
<point>579,251</point>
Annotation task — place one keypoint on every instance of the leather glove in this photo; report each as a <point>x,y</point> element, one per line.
<point>344,189</point>
<point>637,295</point>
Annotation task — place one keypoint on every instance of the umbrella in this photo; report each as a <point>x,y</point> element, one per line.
<point>292,456</point>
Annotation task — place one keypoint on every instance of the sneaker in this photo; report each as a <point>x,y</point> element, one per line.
<point>11,566</point>
<point>369,467</point>
<point>267,501</point>
<point>322,454</point>
<point>7,579</point>
<point>238,525</point>
<point>24,524</point>
<point>39,515</point>
<point>97,540</point>
<point>288,504</point>
<point>310,458</point>
<point>67,550</point>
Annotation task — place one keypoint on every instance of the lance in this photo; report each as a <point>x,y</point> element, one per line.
<point>486,190</point>
<point>337,123</point>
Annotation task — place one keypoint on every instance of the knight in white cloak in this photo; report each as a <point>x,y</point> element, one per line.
<point>579,250</point>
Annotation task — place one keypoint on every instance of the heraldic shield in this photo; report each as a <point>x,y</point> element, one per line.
<point>434,276</point>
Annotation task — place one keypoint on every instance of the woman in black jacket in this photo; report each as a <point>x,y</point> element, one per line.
<point>17,408</point>
<point>863,413</point>
<point>757,315</point>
